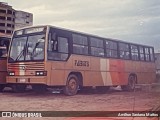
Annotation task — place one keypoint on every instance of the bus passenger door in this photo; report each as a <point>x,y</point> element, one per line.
<point>58,52</point>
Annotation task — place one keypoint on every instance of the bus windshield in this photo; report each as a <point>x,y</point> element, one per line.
<point>27,48</point>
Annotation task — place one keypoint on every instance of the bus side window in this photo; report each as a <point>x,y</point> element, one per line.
<point>3,52</point>
<point>152,54</point>
<point>62,51</point>
<point>147,54</point>
<point>3,49</point>
<point>52,43</point>
<point>57,47</point>
<point>124,50</point>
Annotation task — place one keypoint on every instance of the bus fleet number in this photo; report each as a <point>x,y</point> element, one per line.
<point>81,63</point>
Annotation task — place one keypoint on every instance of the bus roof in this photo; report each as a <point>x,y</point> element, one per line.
<point>87,34</point>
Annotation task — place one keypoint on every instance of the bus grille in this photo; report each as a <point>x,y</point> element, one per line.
<point>26,68</point>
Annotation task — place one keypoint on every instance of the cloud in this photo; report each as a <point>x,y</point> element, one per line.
<point>128,20</point>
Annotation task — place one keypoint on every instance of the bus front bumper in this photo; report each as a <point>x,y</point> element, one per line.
<point>27,79</point>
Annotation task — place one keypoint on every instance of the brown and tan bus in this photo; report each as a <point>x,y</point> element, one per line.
<point>4,45</point>
<point>48,56</point>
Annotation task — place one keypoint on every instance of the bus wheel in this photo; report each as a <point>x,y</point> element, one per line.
<point>19,88</point>
<point>2,87</point>
<point>72,85</point>
<point>39,88</point>
<point>131,84</point>
<point>102,89</point>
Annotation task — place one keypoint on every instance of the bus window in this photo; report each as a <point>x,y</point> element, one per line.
<point>97,48</point>
<point>3,52</point>
<point>80,44</point>
<point>147,54</point>
<point>111,49</point>
<point>124,50</point>
<point>62,45</point>
<point>141,50</point>
<point>52,42</point>
<point>152,54</point>
<point>3,48</point>
<point>57,48</point>
<point>134,52</point>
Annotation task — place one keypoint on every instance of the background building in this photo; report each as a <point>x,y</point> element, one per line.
<point>11,19</point>
<point>7,18</point>
<point>23,19</point>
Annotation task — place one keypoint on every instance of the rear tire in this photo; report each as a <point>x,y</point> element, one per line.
<point>131,84</point>
<point>72,85</point>
<point>2,87</point>
<point>19,88</point>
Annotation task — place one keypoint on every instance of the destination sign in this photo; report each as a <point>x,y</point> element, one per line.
<point>34,30</point>
<point>30,30</point>
<point>19,32</point>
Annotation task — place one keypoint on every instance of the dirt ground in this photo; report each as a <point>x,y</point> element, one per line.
<point>114,100</point>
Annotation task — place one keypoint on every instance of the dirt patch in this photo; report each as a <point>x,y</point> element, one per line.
<point>112,101</point>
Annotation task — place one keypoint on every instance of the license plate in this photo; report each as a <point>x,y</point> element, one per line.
<point>22,80</point>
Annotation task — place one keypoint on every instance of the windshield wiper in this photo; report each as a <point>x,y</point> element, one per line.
<point>21,53</point>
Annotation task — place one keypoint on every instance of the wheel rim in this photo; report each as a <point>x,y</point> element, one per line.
<point>72,85</point>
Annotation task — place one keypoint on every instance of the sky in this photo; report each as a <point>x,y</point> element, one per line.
<point>128,20</point>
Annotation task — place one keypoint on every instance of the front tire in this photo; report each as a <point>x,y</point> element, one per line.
<point>72,85</point>
<point>131,84</point>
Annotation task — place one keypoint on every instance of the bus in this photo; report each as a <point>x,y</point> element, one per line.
<point>4,45</point>
<point>49,56</point>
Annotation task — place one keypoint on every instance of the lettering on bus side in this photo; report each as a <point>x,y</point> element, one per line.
<point>81,63</point>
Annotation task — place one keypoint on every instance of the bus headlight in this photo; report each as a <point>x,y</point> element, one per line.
<point>11,73</point>
<point>41,73</point>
